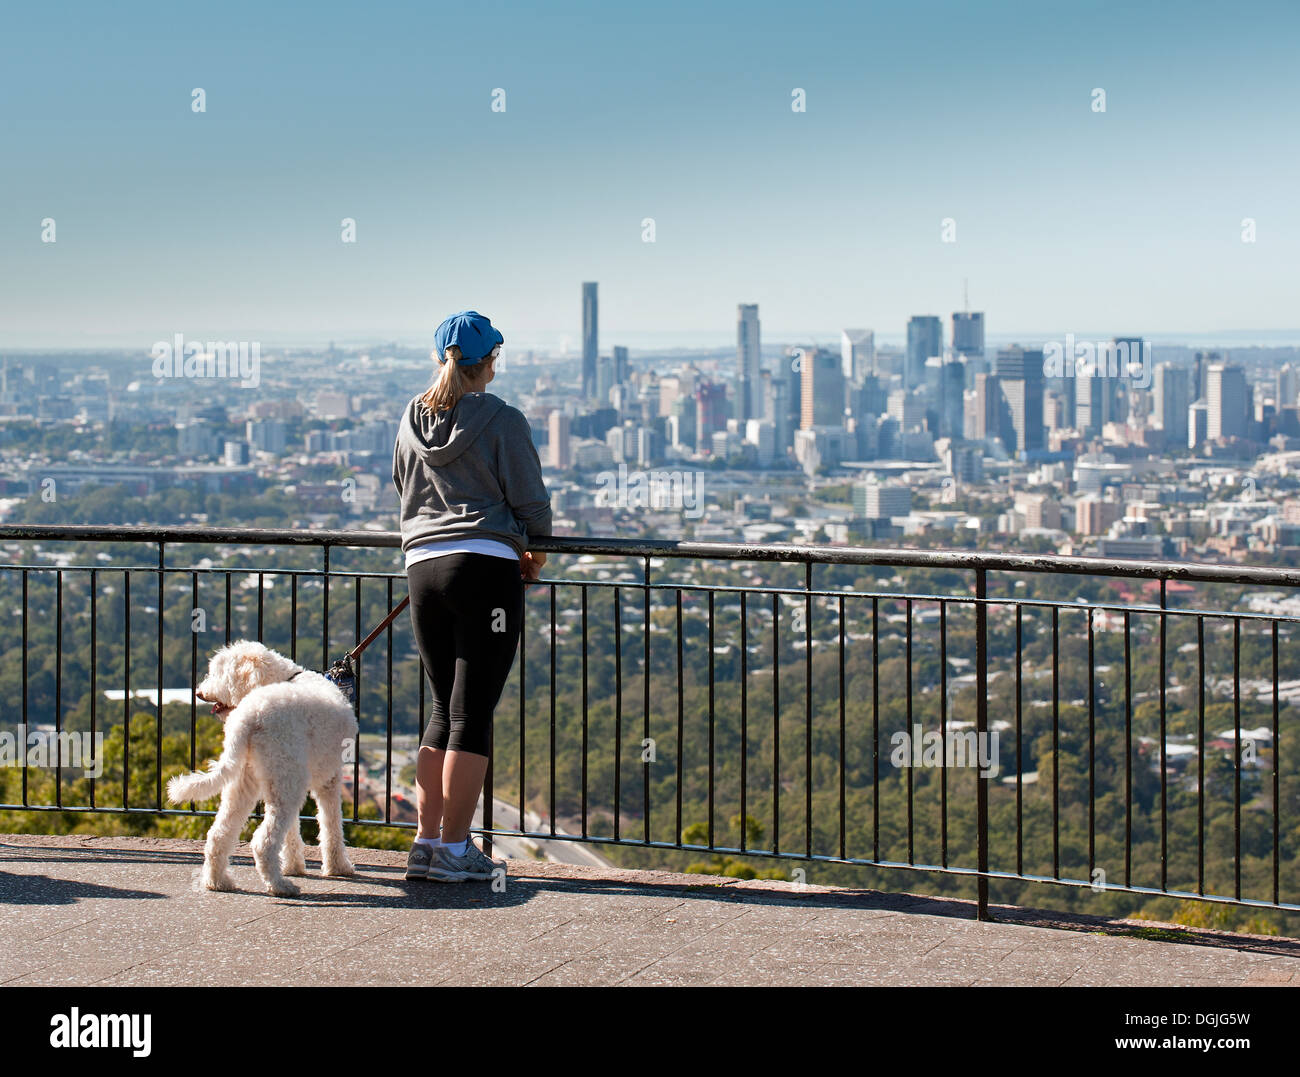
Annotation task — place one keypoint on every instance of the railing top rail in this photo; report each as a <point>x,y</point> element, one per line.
<point>617,547</point>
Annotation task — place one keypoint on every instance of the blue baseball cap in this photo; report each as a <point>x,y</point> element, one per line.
<point>469,331</point>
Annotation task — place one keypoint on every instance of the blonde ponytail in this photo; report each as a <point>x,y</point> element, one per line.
<point>445,393</point>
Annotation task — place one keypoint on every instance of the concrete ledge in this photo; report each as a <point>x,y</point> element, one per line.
<point>80,910</point>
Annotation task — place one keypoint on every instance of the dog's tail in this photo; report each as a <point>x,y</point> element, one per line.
<point>206,784</point>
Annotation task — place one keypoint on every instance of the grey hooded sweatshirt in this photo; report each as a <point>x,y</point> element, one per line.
<point>469,472</point>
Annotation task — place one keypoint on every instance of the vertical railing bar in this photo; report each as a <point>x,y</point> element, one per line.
<point>744,721</point>
<point>1020,765</point>
<point>94,670</point>
<point>584,710</point>
<point>356,755</point>
<point>712,682</point>
<point>58,687</point>
<point>1200,755</point>
<point>324,614</point>
<point>552,730</point>
<point>26,682</point>
<point>1164,751</point>
<point>1056,742</point>
<point>875,728</point>
<point>523,710</point>
<point>645,707</point>
<point>681,715</point>
<point>388,721</point>
<point>293,616</point>
<point>943,733</point>
<point>618,711</point>
<point>1128,751</point>
<point>194,673</point>
<point>158,725</point>
<point>126,692</point>
<point>1277,734</point>
<point>230,613</point>
<point>261,582</point>
<point>912,731</point>
<point>808,710</point>
<point>981,737</point>
<point>776,725</point>
<point>843,739</point>
<point>1236,746</point>
<point>1092,745</point>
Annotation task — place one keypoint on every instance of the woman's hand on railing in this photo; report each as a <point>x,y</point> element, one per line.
<point>530,565</point>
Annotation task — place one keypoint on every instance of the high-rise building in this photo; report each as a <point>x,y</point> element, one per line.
<point>857,354</point>
<point>872,501</point>
<point>561,455</point>
<point>968,333</point>
<point>1020,376</point>
<point>821,390</point>
<point>604,380</point>
<point>986,409</point>
<point>1200,361</point>
<point>748,354</point>
<point>590,335</point>
<point>952,391</point>
<point>710,411</point>
<point>1198,424</point>
<point>1097,393</point>
<point>1288,386</point>
<point>924,339</point>
<point>622,368</point>
<point>1226,401</point>
<point>1171,402</point>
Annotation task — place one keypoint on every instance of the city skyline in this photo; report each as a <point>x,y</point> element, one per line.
<point>615,132</point>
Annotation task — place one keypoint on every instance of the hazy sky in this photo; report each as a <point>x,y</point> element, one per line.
<point>228,222</point>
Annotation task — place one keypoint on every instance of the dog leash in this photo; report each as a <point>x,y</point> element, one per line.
<point>342,672</point>
<point>379,628</point>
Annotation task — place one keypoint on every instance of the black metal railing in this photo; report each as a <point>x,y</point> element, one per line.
<point>805,742</point>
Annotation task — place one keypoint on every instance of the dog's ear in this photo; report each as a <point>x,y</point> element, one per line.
<point>248,671</point>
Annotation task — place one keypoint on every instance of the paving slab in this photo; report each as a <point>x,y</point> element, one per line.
<point>81,910</point>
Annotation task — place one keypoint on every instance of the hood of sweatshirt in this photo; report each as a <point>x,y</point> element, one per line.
<point>439,438</point>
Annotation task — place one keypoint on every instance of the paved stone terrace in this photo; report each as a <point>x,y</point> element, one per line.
<point>105,911</point>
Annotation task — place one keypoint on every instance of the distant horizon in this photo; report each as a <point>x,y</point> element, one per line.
<point>685,340</point>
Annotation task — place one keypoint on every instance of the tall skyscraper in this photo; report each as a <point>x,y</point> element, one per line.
<point>1200,361</point>
<point>1020,376</point>
<point>822,390</point>
<point>952,394</point>
<point>1227,401</point>
<point>1171,402</point>
<point>968,333</point>
<point>924,339</point>
<point>590,323</point>
<point>621,366</point>
<point>857,354</point>
<point>710,411</point>
<point>748,404</point>
<point>1288,386</point>
<point>558,436</point>
<point>986,409</point>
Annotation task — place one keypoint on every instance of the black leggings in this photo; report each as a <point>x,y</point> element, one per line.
<point>466,611</point>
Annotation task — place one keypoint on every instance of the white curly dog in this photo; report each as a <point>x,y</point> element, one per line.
<point>285,731</point>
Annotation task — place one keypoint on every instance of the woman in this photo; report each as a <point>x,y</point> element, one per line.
<point>472,497</point>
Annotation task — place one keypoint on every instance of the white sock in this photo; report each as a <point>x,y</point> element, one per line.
<point>432,843</point>
<point>457,848</point>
